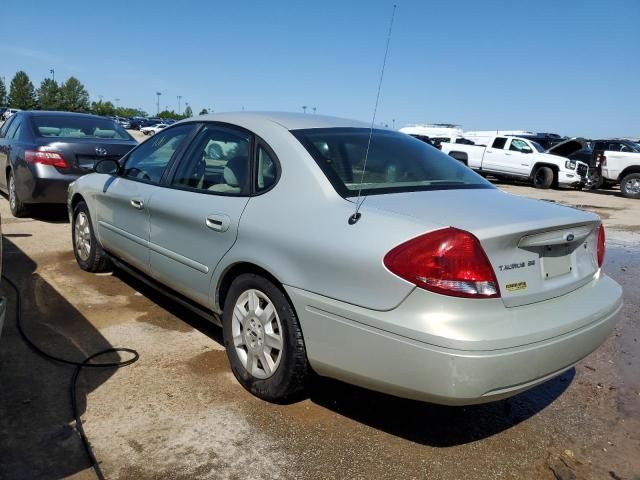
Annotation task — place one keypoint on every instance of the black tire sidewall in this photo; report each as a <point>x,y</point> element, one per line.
<point>20,209</point>
<point>283,383</point>
<point>548,178</point>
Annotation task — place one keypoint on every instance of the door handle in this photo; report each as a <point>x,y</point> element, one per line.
<point>137,203</point>
<point>218,222</point>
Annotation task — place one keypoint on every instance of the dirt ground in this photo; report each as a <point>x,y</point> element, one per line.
<point>179,413</point>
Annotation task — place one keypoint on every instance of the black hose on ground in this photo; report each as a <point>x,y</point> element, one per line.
<point>73,387</point>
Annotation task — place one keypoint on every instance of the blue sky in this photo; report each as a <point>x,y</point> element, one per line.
<point>569,66</point>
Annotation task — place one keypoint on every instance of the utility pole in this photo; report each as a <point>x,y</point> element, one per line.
<point>53,74</point>
<point>158,103</point>
<point>179,98</point>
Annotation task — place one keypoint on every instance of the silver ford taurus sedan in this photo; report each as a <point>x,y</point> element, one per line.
<point>441,288</point>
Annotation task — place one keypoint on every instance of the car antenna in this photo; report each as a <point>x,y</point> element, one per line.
<point>356,215</point>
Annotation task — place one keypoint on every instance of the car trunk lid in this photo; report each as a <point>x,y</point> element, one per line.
<point>83,154</point>
<point>538,250</point>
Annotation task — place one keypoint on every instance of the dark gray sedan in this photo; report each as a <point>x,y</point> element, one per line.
<point>42,152</point>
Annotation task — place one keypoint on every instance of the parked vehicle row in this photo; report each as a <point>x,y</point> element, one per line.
<point>439,288</point>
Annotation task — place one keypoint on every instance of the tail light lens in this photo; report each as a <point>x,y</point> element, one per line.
<point>602,246</point>
<point>448,261</point>
<point>45,158</point>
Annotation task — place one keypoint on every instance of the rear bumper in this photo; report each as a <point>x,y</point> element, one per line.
<point>43,184</point>
<point>455,357</point>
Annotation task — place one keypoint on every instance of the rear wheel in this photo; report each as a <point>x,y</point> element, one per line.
<point>543,177</point>
<point>18,208</point>
<point>89,254</point>
<point>630,185</point>
<point>263,339</point>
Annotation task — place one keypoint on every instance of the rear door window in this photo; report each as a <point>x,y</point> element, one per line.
<point>499,142</point>
<point>14,129</point>
<point>217,161</point>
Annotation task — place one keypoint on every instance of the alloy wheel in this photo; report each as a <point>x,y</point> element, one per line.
<point>632,186</point>
<point>82,236</point>
<point>12,192</point>
<point>257,333</point>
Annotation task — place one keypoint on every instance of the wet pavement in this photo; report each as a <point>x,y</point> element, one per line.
<point>179,413</point>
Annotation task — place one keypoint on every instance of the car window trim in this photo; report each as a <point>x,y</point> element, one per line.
<point>177,152</point>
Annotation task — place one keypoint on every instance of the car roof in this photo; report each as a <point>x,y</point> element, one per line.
<point>290,121</point>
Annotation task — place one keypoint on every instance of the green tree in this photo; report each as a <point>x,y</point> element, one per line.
<point>168,114</point>
<point>105,109</point>
<point>204,111</point>
<point>21,93</point>
<point>48,98</point>
<point>129,112</point>
<point>73,96</point>
<point>188,112</point>
<point>3,92</point>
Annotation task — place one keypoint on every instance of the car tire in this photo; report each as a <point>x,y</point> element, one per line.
<point>543,177</point>
<point>630,186</point>
<point>17,206</point>
<point>88,252</point>
<point>261,329</point>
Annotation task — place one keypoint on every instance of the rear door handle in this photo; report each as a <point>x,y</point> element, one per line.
<point>137,203</point>
<point>218,222</point>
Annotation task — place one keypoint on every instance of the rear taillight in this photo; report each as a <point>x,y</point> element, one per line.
<point>45,158</point>
<point>448,261</point>
<point>602,246</point>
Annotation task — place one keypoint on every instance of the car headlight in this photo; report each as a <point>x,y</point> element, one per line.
<point>570,164</point>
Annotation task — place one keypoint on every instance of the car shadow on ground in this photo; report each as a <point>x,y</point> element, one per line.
<point>435,425</point>
<point>420,422</point>
<point>37,434</point>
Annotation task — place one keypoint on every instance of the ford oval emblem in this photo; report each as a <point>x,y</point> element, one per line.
<point>569,237</point>
<point>101,152</point>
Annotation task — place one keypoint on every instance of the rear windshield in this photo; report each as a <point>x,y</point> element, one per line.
<point>396,162</point>
<point>62,126</point>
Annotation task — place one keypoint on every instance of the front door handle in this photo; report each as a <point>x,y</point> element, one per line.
<point>137,203</point>
<point>218,222</point>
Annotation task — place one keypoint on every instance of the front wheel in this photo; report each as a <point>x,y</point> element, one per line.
<point>89,254</point>
<point>263,339</point>
<point>18,208</point>
<point>543,178</point>
<point>630,185</point>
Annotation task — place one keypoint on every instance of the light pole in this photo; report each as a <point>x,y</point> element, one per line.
<point>304,109</point>
<point>117,100</point>
<point>393,122</point>
<point>53,74</point>
<point>179,98</point>
<point>314,109</point>
<point>158,103</point>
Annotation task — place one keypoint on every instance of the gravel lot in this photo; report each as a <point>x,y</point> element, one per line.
<point>179,413</point>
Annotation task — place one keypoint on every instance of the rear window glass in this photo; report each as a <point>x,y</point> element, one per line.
<point>61,126</point>
<point>396,162</point>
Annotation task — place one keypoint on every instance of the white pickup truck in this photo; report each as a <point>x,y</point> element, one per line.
<point>515,157</point>
<point>619,162</point>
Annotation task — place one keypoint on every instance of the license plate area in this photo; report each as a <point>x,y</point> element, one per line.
<point>555,261</point>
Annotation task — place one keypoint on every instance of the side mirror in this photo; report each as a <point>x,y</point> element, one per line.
<point>110,167</point>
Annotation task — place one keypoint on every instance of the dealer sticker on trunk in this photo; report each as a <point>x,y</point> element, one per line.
<point>514,287</point>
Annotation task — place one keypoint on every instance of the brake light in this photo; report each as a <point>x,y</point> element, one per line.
<point>45,158</point>
<point>602,246</point>
<point>448,261</point>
